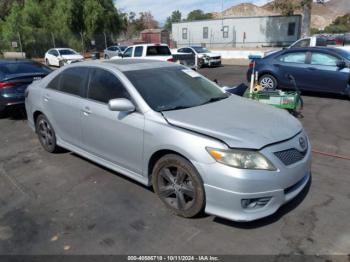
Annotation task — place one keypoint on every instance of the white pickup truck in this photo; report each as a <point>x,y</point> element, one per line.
<point>312,42</point>
<point>147,51</point>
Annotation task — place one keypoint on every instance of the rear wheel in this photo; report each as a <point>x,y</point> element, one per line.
<point>178,185</point>
<point>47,62</point>
<point>46,134</point>
<point>268,81</point>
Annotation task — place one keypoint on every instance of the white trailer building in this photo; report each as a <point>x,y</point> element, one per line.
<point>238,32</point>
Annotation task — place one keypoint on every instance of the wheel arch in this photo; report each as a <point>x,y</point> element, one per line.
<point>158,155</point>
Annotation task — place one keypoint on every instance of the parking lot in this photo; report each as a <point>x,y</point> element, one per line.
<point>64,204</point>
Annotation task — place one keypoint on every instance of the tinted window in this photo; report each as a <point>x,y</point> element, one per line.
<point>67,52</point>
<point>128,52</point>
<point>104,86</point>
<point>323,59</point>
<point>113,48</point>
<point>225,32</point>
<point>138,51</point>
<point>184,33</point>
<point>14,68</point>
<point>55,83</point>
<point>200,49</point>
<point>296,57</point>
<point>302,43</point>
<point>291,29</point>
<point>159,50</point>
<point>73,80</point>
<point>205,32</point>
<point>170,88</point>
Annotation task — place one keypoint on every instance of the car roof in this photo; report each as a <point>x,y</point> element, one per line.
<point>14,60</point>
<point>138,64</point>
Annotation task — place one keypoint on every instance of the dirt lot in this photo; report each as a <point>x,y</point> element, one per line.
<point>64,204</point>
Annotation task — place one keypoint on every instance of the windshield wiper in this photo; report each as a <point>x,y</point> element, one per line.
<point>176,108</point>
<point>214,99</point>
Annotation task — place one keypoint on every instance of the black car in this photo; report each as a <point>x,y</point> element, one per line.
<point>318,69</point>
<point>15,76</point>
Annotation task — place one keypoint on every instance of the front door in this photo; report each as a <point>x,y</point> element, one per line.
<point>114,136</point>
<point>323,75</point>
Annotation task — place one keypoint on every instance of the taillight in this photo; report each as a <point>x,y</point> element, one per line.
<point>7,85</point>
<point>251,64</point>
<point>170,60</point>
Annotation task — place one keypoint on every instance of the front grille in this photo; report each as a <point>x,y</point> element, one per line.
<point>290,156</point>
<point>216,57</point>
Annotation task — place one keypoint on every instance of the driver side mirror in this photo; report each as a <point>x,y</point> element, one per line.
<point>341,64</point>
<point>121,105</point>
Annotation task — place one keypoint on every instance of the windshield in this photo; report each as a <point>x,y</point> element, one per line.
<point>67,52</point>
<point>201,50</point>
<point>122,48</point>
<point>174,88</point>
<point>159,50</point>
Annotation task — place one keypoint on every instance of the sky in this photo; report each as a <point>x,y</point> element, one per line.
<point>161,9</point>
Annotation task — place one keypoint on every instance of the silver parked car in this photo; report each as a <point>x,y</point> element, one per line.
<point>113,51</point>
<point>165,125</point>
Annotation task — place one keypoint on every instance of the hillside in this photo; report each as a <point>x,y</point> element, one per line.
<point>322,14</point>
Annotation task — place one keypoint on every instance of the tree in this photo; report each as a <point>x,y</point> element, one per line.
<point>198,15</point>
<point>288,7</point>
<point>340,25</point>
<point>174,18</point>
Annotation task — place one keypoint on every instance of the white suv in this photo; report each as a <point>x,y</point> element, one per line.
<point>147,51</point>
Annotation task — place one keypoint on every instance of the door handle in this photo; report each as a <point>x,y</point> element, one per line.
<point>87,111</point>
<point>46,98</point>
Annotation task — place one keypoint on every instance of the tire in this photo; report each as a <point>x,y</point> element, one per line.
<point>268,81</point>
<point>3,113</point>
<point>106,57</point>
<point>47,62</point>
<point>178,185</point>
<point>46,134</point>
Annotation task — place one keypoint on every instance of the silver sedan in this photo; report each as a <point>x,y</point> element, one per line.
<point>169,127</point>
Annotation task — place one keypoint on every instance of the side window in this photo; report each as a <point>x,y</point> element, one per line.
<point>187,51</point>
<point>324,59</point>
<point>105,86</point>
<point>205,32</point>
<point>73,80</point>
<point>54,84</point>
<point>128,52</point>
<point>138,51</point>
<point>184,33</point>
<point>181,50</point>
<point>295,57</point>
<point>225,32</point>
<point>291,29</point>
<point>302,43</point>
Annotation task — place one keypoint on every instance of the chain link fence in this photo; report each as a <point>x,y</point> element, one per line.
<point>36,44</point>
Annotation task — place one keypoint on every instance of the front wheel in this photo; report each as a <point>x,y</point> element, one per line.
<point>178,185</point>
<point>268,82</point>
<point>46,134</point>
<point>47,62</point>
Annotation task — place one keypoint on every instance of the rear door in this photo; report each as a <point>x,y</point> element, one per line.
<point>114,136</point>
<point>292,62</point>
<point>323,75</point>
<point>62,100</point>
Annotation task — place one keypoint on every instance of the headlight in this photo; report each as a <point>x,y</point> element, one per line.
<point>244,159</point>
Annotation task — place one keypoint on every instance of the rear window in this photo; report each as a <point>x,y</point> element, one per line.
<point>17,68</point>
<point>158,51</point>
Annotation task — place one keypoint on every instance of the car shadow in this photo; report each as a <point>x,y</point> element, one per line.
<point>285,209</point>
<point>149,188</point>
<point>324,95</point>
<point>15,113</point>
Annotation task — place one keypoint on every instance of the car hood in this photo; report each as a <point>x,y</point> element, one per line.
<point>237,121</point>
<point>72,57</point>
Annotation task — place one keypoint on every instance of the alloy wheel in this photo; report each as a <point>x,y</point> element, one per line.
<point>176,187</point>
<point>267,83</point>
<point>45,133</point>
